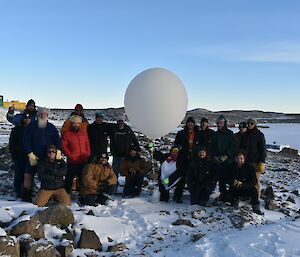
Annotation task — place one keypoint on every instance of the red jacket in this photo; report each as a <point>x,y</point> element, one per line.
<point>76,146</point>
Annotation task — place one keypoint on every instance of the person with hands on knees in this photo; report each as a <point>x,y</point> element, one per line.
<point>37,136</point>
<point>243,182</point>
<point>134,168</point>
<point>52,172</point>
<point>254,143</point>
<point>98,178</point>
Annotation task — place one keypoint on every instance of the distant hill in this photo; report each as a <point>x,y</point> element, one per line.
<point>234,116</point>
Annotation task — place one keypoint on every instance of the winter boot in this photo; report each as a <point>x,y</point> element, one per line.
<point>256,209</point>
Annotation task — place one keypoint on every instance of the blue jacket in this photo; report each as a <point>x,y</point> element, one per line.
<point>36,140</point>
<point>16,119</point>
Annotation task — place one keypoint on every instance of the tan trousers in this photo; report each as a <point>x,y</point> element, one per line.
<point>60,195</point>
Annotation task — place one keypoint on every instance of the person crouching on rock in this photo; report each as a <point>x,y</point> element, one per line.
<point>133,167</point>
<point>51,173</point>
<point>201,179</point>
<point>97,178</point>
<point>244,182</point>
<point>169,172</point>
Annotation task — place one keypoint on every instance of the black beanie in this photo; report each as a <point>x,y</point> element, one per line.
<point>31,102</point>
<point>204,120</point>
<point>190,119</point>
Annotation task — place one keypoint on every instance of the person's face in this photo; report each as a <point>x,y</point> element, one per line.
<point>243,130</point>
<point>103,161</point>
<point>174,155</point>
<point>240,160</point>
<point>99,120</point>
<point>190,125</point>
<point>251,124</point>
<point>132,153</point>
<point>51,154</point>
<point>204,125</point>
<point>220,124</point>
<point>202,154</point>
<point>30,107</point>
<point>120,123</point>
<point>43,116</point>
<point>76,125</point>
<point>79,111</point>
<point>26,121</point>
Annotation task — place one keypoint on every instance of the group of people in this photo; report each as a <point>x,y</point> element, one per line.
<point>200,158</point>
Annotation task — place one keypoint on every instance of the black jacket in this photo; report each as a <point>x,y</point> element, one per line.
<point>182,140</point>
<point>206,136</point>
<point>16,143</point>
<point>98,137</point>
<point>254,143</point>
<point>51,174</point>
<point>121,141</point>
<point>201,172</point>
<point>246,174</point>
<point>223,142</point>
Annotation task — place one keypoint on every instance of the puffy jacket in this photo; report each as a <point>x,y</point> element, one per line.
<point>68,125</point>
<point>37,139</point>
<point>182,140</point>
<point>254,143</point>
<point>17,118</point>
<point>201,171</point>
<point>76,146</point>
<point>98,136</point>
<point>52,174</point>
<point>223,142</point>
<point>138,164</point>
<point>94,175</point>
<point>121,141</point>
<point>246,174</point>
<point>206,136</point>
<point>16,147</point>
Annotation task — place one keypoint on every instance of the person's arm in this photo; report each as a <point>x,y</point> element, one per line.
<point>64,146</point>
<point>66,126</point>
<point>262,148</point>
<point>134,140</point>
<point>27,139</point>
<point>87,146</point>
<point>124,168</point>
<point>12,144</point>
<point>231,151</point>
<point>251,179</point>
<point>143,167</point>
<point>56,138</point>
<point>112,178</point>
<point>14,119</point>
<point>88,179</point>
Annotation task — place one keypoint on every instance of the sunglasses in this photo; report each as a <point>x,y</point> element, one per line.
<point>51,151</point>
<point>251,123</point>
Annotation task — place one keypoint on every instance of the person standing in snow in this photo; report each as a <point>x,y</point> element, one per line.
<point>169,175</point>
<point>206,133</point>
<point>98,178</point>
<point>244,182</point>
<point>238,135</point>
<point>16,119</point>
<point>222,150</point>
<point>98,132</point>
<point>188,140</point>
<point>51,173</point>
<point>254,143</point>
<point>201,178</point>
<point>37,136</point>
<point>18,154</point>
<point>134,168</point>
<point>68,123</point>
<point>122,138</point>
<point>76,146</point>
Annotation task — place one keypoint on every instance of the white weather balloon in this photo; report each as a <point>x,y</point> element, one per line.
<point>156,102</point>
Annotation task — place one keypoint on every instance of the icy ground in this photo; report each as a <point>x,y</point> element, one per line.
<point>147,229</point>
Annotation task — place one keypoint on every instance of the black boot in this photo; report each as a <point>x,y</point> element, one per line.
<point>256,209</point>
<point>26,195</point>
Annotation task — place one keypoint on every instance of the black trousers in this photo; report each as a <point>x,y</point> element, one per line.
<point>250,192</point>
<point>133,185</point>
<point>100,198</point>
<point>200,191</point>
<point>223,177</point>
<point>73,170</point>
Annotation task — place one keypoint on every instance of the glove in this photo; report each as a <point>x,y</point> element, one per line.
<point>261,167</point>
<point>33,159</point>
<point>11,111</point>
<point>237,184</point>
<point>132,171</point>
<point>223,158</point>
<point>58,155</point>
<point>104,185</point>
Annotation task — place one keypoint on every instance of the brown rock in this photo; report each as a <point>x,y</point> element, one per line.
<point>117,248</point>
<point>183,222</point>
<point>89,239</point>
<point>42,248</point>
<point>270,205</point>
<point>32,227</point>
<point>9,247</point>
<point>65,249</point>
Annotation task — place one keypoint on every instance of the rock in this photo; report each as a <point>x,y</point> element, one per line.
<point>58,214</point>
<point>197,237</point>
<point>91,213</point>
<point>183,222</point>
<point>65,249</point>
<point>295,192</point>
<point>24,241</point>
<point>9,246</point>
<point>289,151</point>
<point>109,239</point>
<point>41,248</point>
<point>89,239</point>
<point>291,199</point>
<point>270,205</point>
<point>68,236</point>
<point>117,248</point>
<point>269,193</point>
<point>32,227</point>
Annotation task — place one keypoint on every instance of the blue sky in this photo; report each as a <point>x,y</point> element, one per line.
<point>229,54</point>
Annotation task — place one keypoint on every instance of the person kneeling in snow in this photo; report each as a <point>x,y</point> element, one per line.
<point>169,172</point>
<point>201,178</point>
<point>244,182</point>
<point>51,173</point>
<point>133,167</point>
<point>97,178</point>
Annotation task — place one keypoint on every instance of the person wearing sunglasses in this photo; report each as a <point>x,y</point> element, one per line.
<point>254,143</point>
<point>242,130</point>
<point>51,173</point>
